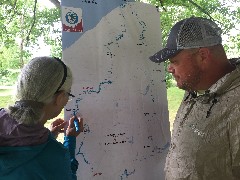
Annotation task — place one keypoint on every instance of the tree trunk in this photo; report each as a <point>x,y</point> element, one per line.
<point>56,3</point>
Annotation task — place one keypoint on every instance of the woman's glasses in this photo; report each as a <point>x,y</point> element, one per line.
<point>70,96</point>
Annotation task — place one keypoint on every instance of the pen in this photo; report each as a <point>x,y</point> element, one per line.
<point>76,122</point>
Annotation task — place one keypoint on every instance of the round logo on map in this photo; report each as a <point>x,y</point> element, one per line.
<point>71,17</point>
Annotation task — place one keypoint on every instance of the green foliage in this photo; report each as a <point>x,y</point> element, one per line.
<point>52,32</point>
<point>8,76</point>
<point>22,22</point>
<point>9,64</point>
<point>9,57</point>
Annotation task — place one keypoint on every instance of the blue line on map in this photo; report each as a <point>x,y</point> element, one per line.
<point>80,153</point>
<point>89,91</point>
<point>126,174</point>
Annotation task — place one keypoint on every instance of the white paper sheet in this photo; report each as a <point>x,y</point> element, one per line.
<point>120,93</point>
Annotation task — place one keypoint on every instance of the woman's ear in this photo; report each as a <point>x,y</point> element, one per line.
<point>59,98</point>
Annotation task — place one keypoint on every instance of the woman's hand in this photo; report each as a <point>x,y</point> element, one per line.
<point>71,130</point>
<point>57,127</point>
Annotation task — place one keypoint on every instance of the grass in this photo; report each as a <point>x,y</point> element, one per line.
<point>174,96</point>
<point>5,101</point>
<point>5,97</point>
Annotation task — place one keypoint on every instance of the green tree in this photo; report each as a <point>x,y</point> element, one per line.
<point>22,22</point>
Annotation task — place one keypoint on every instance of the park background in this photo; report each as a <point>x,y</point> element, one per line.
<point>33,28</point>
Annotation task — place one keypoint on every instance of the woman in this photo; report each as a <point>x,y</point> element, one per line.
<point>28,150</point>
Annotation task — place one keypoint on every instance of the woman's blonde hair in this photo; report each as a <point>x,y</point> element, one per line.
<point>39,81</point>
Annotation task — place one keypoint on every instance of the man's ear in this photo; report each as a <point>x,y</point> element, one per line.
<point>59,97</point>
<point>205,54</point>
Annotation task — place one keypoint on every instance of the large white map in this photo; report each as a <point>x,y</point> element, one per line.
<point>120,93</point>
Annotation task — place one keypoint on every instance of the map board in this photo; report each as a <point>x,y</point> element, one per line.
<point>120,93</point>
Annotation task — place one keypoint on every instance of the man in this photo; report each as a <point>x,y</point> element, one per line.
<point>205,141</point>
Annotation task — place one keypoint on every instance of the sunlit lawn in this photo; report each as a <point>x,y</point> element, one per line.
<point>174,96</point>
<point>5,97</point>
